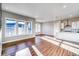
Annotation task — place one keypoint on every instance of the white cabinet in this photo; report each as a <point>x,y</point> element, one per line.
<point>75,25</point>
<point>78,25</point>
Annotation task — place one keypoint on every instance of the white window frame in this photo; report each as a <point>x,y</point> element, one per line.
<point>27,28</point>
<point>18,27</point>
<point>15,27</point>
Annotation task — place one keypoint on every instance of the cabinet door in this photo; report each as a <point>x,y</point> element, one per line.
<point>77,24</point>
<point>74,25</point>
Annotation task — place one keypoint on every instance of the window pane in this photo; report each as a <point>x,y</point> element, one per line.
<point>10,27</point>
<point>29,27</point>
<point>21,27</point>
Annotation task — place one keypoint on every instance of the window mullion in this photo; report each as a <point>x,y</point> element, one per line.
<point>16,27</point>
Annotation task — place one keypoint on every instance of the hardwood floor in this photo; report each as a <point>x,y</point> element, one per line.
<point>49,49</point>
<point>46,48</point>
<point>33,53</point>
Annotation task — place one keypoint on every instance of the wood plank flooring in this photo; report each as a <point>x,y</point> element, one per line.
<point>45,47</point>
<point>33,53</point>
<point>49,49</point>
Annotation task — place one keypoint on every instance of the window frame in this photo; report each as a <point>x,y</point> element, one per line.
<point>18,27</point>
<point>27,28</point>
<point>15,27</point>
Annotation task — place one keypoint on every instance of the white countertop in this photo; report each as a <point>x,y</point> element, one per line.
<point>16,39</point>
<point>70,36</point>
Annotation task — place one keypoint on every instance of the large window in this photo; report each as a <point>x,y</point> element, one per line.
<point>21,27</point>
<point>15,28</point>
<point>10,27</point>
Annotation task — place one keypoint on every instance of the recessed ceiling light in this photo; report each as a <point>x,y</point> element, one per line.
<point>64,6</point>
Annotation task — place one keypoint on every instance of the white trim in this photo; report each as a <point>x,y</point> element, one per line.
<point>37,51</point>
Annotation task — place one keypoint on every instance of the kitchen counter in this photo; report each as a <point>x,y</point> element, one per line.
<point>68,36</point>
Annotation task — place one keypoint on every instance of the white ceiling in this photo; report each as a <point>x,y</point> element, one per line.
<point>43,11</point>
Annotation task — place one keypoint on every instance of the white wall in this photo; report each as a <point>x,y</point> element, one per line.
<point>47,28</point>
<point>51,28</point>
<point>56,27</point>
<point>37,27</point>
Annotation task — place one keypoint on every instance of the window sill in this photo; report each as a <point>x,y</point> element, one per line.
<point>17,38</point>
